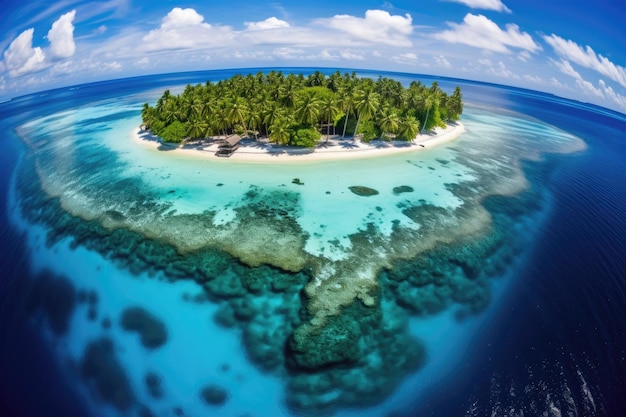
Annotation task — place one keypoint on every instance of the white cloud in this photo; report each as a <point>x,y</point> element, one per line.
<point>442,62</point>
<point>377,54</point>
<point>587,58</point>
<point>501,70</point>
<point>557,83</point>
<point>480,32</point>
<point>617,98</point>
<point>185,29</point>
<point>533,79</point>
<point>378,26</point>
<point>524,56</point>
<point>112,66</point>
<point>351,56</point>
<point>178,18</point>
<point>603,90</point>
<point>408,58</point>
<point>589,88</point>
<point>100,30</point>
<point>496,5</point>
<point>327,55</point>
<point>287,53</point>
<point>61,36</point>
<point>566,68</point>
<point>269,23</point>
<point>21,58</point>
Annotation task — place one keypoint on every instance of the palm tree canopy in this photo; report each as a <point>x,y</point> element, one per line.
<point>274,104</point>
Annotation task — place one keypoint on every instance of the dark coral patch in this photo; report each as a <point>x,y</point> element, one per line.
<point>153,385</point>
<point>101,366</point>
<point>56,297</point>
<point>363,191</point>
<point>214,394</point>
<point>402,189</point>
<point>151,330</point>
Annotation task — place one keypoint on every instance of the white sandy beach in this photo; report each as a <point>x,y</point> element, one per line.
<point>335,148</point>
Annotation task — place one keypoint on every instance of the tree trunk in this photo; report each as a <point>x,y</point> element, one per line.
<point>425,120</point>
<point>356,129</point>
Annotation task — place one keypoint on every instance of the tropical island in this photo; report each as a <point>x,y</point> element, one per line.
<point>298,111</point>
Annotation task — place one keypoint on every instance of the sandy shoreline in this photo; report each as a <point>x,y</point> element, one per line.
<point>335,148</point>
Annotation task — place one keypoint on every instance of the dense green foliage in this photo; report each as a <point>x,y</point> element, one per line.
<point>296,110</point>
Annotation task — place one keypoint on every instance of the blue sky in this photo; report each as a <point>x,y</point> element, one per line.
<point>572,48</point>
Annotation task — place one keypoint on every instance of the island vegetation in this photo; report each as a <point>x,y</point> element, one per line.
<point>300,110</point>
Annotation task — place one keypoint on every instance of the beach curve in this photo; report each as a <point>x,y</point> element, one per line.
<point>335,148</point>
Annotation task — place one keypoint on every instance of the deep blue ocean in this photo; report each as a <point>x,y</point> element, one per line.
<point>556,343</point>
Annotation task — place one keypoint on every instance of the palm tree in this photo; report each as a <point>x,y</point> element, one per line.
<point>329,110</point>
<point>147,115</point>
<point>197,128</point>
<point>271,112</point>
<point>408,128</point>
<point>432,100</point>
<point>427,104</point>
<point>279,131</point>
<point>286,91</point>
<point>365,103</point>
<point>346,102</point>
<point>388,120</point>
<point>219,119</point>
<point>254,120</point>
<point>238,112</point>
<point>163,100</point>
<point>307,109</point>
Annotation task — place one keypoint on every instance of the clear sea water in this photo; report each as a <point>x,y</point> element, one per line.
<point>499,280</point>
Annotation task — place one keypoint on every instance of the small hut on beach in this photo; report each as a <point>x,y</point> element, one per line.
<point>229,146</point>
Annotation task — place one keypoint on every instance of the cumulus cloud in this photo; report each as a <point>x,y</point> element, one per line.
<point>501,70</point>
<point>378,26</point>
<point>351,56</point>
<point>407,58</point>
<point>480,32</point>
<point>61,36</point>
<point>603,90</point>
<point>442,62</point>
<point>587,58</point>
<point>112,66</point>
<point>617,98</point>
<point>496,5</point>
<point>269,23</point>
<point>556,83</point>
<point>589,88</point>
<point>533,78</point>
<point>21,57</point>
<point>185,29</point>
<point>287,53</point>
<point>566,68</point>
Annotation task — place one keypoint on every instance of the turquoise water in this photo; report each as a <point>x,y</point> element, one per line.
<point>302,298</point>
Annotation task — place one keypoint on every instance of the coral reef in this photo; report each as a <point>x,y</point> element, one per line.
<point>151,330</point>
<point>56,297</point>
<point>101,367</point>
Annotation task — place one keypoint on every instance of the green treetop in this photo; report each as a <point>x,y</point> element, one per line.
<point>295,110</point>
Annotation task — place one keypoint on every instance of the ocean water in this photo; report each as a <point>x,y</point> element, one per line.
<point>485,277</point>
